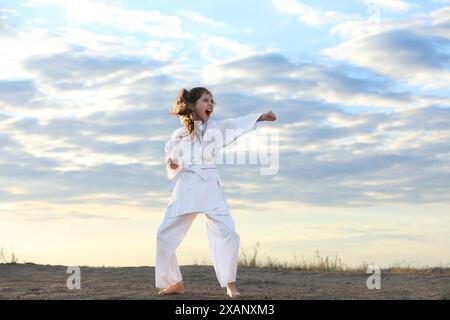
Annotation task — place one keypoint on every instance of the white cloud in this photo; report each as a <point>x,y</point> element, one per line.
<point>97,12</point>
<point>15,190</point>
<point>413,52</point>
<point>199,18</point>
<point>357,28</point>
<point>309,15</point>
<point>392,5</point>
<point>33,210</point>
<point>440,16</point>
<point>7,29</point>
<point>217,48</point>
<point>272,75</point>
<point>34,42</point>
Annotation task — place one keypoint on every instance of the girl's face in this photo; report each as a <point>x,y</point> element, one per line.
<point>204,107</point>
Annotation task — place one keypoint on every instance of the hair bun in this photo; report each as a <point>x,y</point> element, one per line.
<point>182,96</point>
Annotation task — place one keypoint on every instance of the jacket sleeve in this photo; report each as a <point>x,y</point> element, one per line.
<point>230,129</point>
<point>170,151</point>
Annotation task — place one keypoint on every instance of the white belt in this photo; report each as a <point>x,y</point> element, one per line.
<point>199,169</point>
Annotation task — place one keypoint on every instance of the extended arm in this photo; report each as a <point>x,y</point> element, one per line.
<point>232,128</point>
<point>228,130</point>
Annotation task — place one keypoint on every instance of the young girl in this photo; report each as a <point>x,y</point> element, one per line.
<point>196,188</point>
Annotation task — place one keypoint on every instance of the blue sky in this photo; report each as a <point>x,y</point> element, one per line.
<point>361,93</point>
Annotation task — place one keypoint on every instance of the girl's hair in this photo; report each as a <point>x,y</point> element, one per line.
<point>184,107</point>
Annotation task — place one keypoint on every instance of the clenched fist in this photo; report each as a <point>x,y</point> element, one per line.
<point>268,116</point>
<point>172,164</point>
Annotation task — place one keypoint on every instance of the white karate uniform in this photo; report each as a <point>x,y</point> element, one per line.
<point>196,188</point>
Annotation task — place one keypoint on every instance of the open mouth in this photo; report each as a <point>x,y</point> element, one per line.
<point>208,111</point>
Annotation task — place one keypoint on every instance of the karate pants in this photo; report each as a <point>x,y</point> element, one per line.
<point>223,244</point>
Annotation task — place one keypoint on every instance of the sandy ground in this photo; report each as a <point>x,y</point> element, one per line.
<point>31,281</point>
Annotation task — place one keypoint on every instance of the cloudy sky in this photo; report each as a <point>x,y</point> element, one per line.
<point>360,89</point>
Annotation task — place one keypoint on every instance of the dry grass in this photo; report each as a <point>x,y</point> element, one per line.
<point>329,264</point>
<point>318,264</point>
<point>405,268</point>
<point>3,259</point>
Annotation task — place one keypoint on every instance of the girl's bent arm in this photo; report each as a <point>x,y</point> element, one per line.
<point>173,165</point>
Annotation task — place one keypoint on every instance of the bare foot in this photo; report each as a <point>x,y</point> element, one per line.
<point>232,291</point>
<point>173,289</point>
